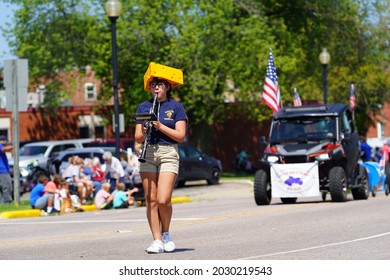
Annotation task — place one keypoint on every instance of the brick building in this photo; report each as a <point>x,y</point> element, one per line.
<point>78,117</point>
<point>379,133</point>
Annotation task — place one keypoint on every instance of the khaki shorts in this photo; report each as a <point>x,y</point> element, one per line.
<point>161,158</point>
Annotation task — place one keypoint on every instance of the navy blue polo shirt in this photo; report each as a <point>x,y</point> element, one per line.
<point>169,112</point>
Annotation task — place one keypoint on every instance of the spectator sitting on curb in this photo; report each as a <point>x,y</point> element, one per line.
<point>98,172</point>
<point>66,202</point>
<point>98,176</point>
<point>103,199</point>
<point>69,202</point>
<point>84,183</point>
<point>49,202</point>
<point>38,190</point>
<point>124,199</point>
<point>67,173</point>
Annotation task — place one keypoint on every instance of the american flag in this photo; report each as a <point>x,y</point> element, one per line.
<point>297,99</point>
<point>352,98</point>
<point>271,92</point>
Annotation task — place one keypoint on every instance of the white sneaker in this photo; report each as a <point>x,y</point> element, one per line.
<point>156,247</point>
<point>44,213</point>
<point>169,246</point>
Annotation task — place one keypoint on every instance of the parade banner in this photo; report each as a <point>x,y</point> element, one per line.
<point>295,180</point>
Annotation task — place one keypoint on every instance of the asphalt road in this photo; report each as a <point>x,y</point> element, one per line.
<point>221,223</point>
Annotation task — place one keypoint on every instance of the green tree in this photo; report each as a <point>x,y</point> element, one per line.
<point>222,46</point>
<point>56,36</point>
<point>355,35</point>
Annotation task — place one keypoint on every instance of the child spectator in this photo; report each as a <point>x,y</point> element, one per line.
<point>66,204</point>
<point>103,199</point>
<point>123,199</point>
<point>49,202</point>
<point>38,190</point>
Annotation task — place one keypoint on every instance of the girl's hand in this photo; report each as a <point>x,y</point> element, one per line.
<point>157,124</point>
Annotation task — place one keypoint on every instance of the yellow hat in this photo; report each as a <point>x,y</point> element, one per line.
<point>172,75</point>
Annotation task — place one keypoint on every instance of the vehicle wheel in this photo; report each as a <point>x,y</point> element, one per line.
<point>386,189</point>
<point>214,176</point>
<point>323,195</point>
<point>363,191</point>
<point>262,188</point>
<point>179,184</point>
<point>338,184</point>
<point>288,200</point>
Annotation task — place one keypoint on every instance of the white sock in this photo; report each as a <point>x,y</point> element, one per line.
<point>49,209</point>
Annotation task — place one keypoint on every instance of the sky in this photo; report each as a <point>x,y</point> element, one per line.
<point>6,15</point>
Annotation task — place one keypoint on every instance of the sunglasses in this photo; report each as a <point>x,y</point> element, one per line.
<point>155,84</point>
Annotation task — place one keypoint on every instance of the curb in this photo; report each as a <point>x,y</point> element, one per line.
<point>34,212</point>
<point>183,199</point>
<point>20,214</point>
<point>37,213</point>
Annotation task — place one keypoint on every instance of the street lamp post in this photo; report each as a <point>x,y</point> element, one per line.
<point>324,59</point>
<point>113,11</point>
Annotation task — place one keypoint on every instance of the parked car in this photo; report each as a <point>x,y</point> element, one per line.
<point>34,159</point>
<point>195,165</point>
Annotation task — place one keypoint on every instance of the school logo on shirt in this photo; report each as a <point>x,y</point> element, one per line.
<point>169,114</point>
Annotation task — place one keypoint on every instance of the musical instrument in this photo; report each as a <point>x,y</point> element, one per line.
<point>149,118</point>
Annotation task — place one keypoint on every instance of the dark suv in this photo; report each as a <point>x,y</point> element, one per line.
<point>322,136</point>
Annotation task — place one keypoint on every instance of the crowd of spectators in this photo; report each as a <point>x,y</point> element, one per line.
<point>87,181</point>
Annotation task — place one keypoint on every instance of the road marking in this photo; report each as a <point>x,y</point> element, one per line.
<point>180,222</point>
<point>318,247</point>
<point>91,221</point>
<point>124,231</point>
<point>141,228</point>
